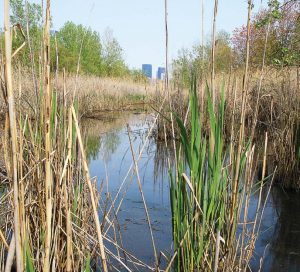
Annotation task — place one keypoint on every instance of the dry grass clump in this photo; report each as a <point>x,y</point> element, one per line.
<point>275,97</point>
<point>278,114</point>
<point>94,94</point>
<point>107,94</point>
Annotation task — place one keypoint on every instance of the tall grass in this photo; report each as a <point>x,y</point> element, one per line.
<point>202,190</point>
<point>197,191</point>
<point>53,217</point>
<point>54,220</point>
<point>96,95</point>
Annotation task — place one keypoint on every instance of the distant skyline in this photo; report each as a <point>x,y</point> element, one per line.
<point>139,25</point>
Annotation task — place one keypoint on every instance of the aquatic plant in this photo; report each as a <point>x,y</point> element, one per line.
<point>206,207</point>
<point>198,189</point>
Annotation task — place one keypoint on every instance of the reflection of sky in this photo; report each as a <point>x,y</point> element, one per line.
<point>279,239</point>
<point>135,232</point>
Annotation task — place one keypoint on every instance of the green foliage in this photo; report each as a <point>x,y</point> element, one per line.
<point>29,262</point>
<point>187,61</point>
<point>76,46</point>
<point>138,76</point>
<point>198,199</point>
<point>92,147</point>
<point>74,42</point>
<point>224,55</point>
<point>281,22</point>
<point>88,264</point>
<point>113,61</point>
<point>23,13</point>
<point>28,16</point>
<point>198,59</point>
<point>79,44</point>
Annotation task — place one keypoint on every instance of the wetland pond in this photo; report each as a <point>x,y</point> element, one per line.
<point>110,159</point>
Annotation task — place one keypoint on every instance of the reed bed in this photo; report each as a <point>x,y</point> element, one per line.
<point>52,214</point>
<point>276,101</point>
<point>211,188</point>
<point>96,95</point>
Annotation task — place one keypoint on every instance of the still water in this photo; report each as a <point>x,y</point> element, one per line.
<point>110,158</point>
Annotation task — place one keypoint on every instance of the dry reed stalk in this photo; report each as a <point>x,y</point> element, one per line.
<point>48,171</point>
<point>88,180</point>
<point>13,134</point>
<point>136,168</point>
<point>260,82</point>
<point>213,90</point>
<point>213,47</point>
<point>233,117</point>
<point>4,240</point>
<point>32,59</point>
<point>217,254</point>
<point>242,117</point>
<point>18,26</point>
<point>256,219</point>
<point>68,212</point>
<point>167,81</point>
<point>21,168</point>
<point>10,254</point>
<point>246,195</point>
<point>202,57</point>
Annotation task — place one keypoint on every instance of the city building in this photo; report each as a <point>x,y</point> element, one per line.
<point>147,70</point>
<point>161,71</point>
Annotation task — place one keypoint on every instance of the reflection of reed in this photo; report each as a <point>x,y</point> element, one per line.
<point>162,154</point>
<point>285,245</point>
<point>102,136</point>
<point>106,123</point>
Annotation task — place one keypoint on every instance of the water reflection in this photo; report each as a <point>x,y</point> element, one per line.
<point>102,138</point>
<point>110,157</point>
<point>284,242</point>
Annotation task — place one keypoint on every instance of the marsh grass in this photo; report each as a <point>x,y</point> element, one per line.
<point>53,216</point>
<point>196,193</point>
<point>96,95</point>
<point>202,192</point>
<point>272,106</point>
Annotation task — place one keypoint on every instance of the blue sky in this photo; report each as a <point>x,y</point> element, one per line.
<point>139,24</point>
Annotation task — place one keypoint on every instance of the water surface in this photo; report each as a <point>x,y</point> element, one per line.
<point>110,157</point>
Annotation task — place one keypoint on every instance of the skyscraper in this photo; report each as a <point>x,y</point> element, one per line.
<point>147,70</point>
<point>161,73</point>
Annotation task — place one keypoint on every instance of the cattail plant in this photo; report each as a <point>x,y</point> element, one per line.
<point>201,192</point>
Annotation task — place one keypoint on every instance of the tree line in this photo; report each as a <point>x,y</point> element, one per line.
<point>75,48</point>
<point>274,40</point>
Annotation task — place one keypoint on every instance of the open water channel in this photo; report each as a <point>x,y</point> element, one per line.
<point>277,247</point>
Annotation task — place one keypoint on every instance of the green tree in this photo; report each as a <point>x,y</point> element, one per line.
<point>79,44</point>
<point>182,67</point>
<point>72,45</point>
<point>28,17</point>
<point>25,12</point>
<point>197,60</point>
<point>281,23</point>
<point>224,55</point>
<point>114,64</point>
